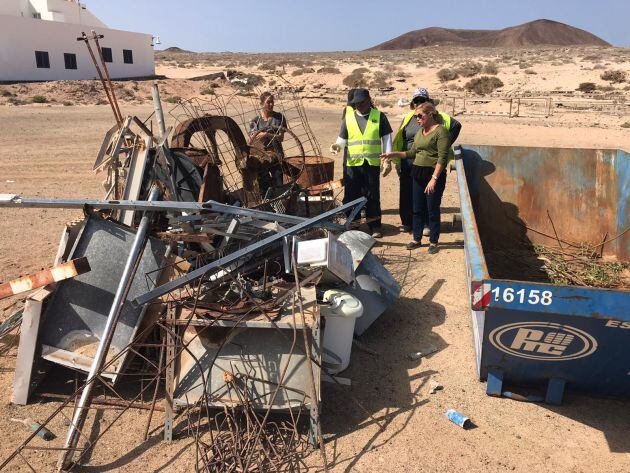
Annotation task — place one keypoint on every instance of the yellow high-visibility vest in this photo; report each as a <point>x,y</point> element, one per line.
<point>366,145</point>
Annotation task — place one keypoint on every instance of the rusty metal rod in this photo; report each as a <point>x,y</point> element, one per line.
<point>44,277</point>
<point>104,402</point>
<point>109,81</point>
<point>85,38</point>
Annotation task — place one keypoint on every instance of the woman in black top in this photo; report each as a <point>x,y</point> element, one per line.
<point>268,127</point>
<point>267,132</point>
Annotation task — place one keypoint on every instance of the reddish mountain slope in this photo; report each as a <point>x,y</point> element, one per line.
<point>534,33</point>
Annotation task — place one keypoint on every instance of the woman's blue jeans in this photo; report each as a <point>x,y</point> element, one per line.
<point>426,207</point>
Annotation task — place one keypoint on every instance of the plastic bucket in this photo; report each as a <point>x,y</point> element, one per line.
<point>340,310</point>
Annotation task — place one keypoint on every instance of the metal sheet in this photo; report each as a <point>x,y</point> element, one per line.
<point>371,265</point>
<point>135,175</point>
<point>76,316</point>
<point>256,356</point>
<point>368,291</point>
<point>375,288</point>
<point>359,243</point>
<point>27,367</point>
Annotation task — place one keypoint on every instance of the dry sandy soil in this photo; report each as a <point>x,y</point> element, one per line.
<point>49,150</point>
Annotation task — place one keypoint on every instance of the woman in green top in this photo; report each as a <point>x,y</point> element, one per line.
<point>430,154</point>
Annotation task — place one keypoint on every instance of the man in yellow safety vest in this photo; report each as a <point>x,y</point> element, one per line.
<point>366,133</point>
<point>403,140</point>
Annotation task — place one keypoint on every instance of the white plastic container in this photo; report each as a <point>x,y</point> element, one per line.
<point>340,310</point>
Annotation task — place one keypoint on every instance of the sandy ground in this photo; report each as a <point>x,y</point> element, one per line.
<point>49,151</point>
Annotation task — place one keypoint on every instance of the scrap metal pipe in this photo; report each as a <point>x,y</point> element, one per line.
<point>126,279</point>
<point>44,277</point>
<point>243,252</point>
<point>159,112</point>
<point>12,200</point>
<point>95,37</point>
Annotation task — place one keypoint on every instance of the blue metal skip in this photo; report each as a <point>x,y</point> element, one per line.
<point>537,333</point>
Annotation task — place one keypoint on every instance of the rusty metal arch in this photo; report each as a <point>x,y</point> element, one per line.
<point>209,125</point>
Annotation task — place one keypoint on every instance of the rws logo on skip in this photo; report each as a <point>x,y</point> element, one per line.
<point>543,341</point>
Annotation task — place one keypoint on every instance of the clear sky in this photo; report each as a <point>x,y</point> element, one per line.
<point>342,25</point>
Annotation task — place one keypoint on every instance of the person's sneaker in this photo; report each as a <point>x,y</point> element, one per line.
<point>405,228</point>
<point>377,234</point>
<point>413,244</point>
<point>426,231</point>
<point>433,248</point>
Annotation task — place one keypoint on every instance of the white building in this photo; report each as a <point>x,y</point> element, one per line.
<point>38,41</point>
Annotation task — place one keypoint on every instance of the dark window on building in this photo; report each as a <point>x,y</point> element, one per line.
<point>37,16</point>
<point>107,54</point>
<point>70,60</point>
<point>41,58</point>
<point>128,56</point>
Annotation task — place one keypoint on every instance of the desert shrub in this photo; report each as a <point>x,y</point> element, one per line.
<point>615,77</point>
<point>446,74</point>
<point>530,72</point>
<point>469,68</point>
<point>524,65</point>
<point>126,94</point>
<point>207,91</point>
<point>599,66</point>
<point>587,87</point>
<point>606,88</point>
<point>360,70</point>
<point>15,101</point>
<point>5,93</point>
<point>174,99</point>
<point>490,68</point>
<point>39,99</point>
<point>328,70</point>
<point>304,70</point>
<point>483,85</point>
<point>421,63</point>
<point>454,86</point>
<point>267,66</point>
<point>592,58</point>
<point>244,80</point>
<point>101,102</point>
<point>67,104</point>
<point>625,125</point>
<point>379,80</point>
<point>355,80</point>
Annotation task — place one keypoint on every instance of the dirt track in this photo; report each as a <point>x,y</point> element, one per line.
<point>49,151</point>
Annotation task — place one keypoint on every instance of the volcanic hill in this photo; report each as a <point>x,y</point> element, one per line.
<point>534,33</point>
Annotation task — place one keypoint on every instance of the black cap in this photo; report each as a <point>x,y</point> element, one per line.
<point>359,96</point>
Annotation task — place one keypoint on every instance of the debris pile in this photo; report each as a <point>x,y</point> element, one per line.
<point>204,283</point>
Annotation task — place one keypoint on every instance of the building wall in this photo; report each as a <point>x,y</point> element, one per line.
<point>20,37</point>
<point>51,10</point>
<point>65,11</point>
<point>16,8</point>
